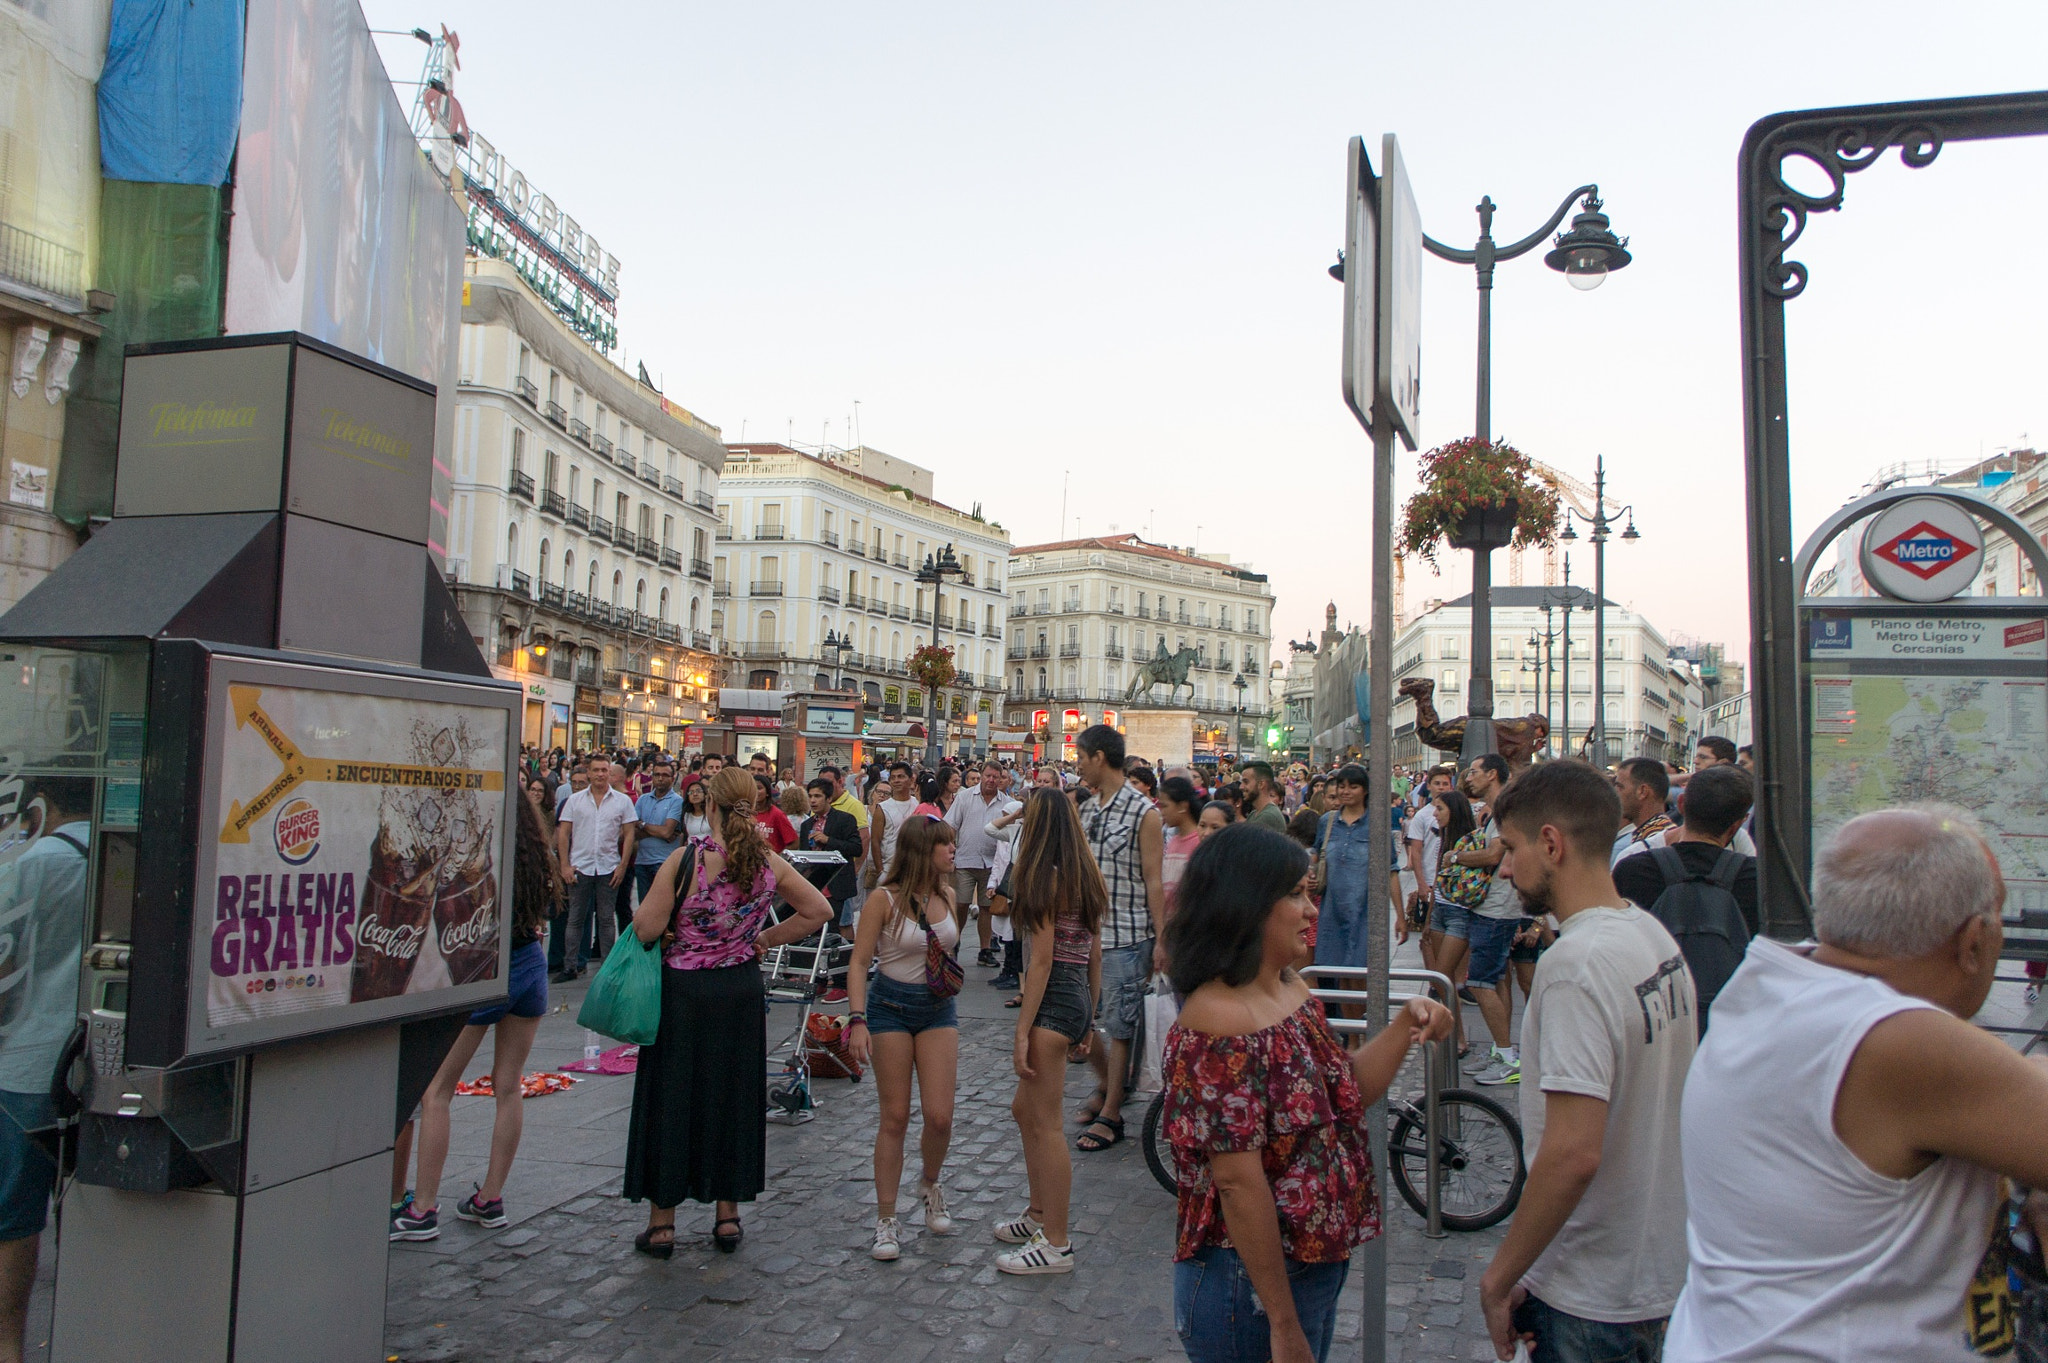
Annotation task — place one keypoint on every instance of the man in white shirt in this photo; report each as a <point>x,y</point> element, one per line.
<point>1849,1136</point>
<point>892,805</point>
<point>1424,842</point>
<point>1595,1259</point>
<point>594,843</point>
<point>969,816</point>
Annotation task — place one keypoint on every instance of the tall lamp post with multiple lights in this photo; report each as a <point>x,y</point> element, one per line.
<point>1601,525</point>
<point>839,648</point>
<point>1543,656</point>
<point>1585,256</point>
<point>1240,683</point>
<point>937,567</point>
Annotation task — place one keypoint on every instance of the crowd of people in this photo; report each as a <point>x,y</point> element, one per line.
<point>1839,1166</point>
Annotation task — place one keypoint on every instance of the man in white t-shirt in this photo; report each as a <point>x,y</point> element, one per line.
<point>893,804</point>
<point>1849,1136</point>
<point>1424,842</point>
<point>1596,1256</point>
<point>594,842</point>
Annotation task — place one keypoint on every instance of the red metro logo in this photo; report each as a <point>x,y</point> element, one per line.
<point>1925,551</point>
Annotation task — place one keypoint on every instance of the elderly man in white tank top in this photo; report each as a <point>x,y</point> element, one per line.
<point>1848,1137</point>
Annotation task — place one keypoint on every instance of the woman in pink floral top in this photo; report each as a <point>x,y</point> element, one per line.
<point>1265,1110</point>
<point>700,1094</point>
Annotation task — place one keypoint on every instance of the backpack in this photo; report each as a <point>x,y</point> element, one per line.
<point>1701,913</point>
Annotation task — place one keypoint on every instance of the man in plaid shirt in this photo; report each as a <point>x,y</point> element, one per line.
<point>1125,834</point>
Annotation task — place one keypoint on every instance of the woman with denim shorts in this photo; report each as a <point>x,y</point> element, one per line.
<point>1057,900</point>
<point>896,1020</point>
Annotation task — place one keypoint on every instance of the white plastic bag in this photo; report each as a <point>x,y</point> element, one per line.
<point>1160,1011</point>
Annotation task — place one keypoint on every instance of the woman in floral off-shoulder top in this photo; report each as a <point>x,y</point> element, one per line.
<point>1265,1110</point>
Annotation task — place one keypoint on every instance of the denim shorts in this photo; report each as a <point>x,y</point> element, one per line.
<point>1491,939</point>
<point>1220,1319</point>
<point>1520,953</point>
<point>27,1173</point>
<point>1565,1337</point>
<point>1126,975</point>
<point>1064,1009</point>
<point>527,995</point>
<point>894,1006</point>
<point>1450,919</point>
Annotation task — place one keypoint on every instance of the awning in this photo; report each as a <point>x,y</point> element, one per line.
<point>883,729</point>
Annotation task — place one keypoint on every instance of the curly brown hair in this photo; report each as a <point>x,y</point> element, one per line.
<point>732,794</point>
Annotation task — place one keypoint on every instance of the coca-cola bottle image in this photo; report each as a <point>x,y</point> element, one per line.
<point>466,917</point>
<point>392,922</point>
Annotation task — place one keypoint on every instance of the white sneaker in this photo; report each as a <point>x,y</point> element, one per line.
<point>888,1239</point>
<point>935,1218</point>
<point>1018,1232</point>
<point>1501,1071</point>
<point>1480,1063</point>
<point>1037,1255</point>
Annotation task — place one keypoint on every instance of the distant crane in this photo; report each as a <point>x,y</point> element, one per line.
<point>1580,496</point>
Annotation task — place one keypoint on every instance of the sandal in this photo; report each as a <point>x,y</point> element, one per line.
<point>727,1243</point>
<point>653,1248</point>
<point>1017,1002</point>
<point>1090,1142</point>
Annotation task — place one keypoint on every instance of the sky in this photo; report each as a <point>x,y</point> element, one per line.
<point>1072,257</point>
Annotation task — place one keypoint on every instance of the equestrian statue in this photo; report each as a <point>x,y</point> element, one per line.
<point>1171,668</point>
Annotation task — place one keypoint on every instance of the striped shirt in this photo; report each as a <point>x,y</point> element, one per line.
<point>1112,830</point>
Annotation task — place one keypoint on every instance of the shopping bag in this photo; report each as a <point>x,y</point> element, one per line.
<point>624,1001</point>
<point>1160,1012</point>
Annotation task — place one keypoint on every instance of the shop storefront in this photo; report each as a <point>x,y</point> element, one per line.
<point>824,730</point>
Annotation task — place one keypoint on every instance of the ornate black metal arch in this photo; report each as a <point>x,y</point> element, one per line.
<point>1772,215</point>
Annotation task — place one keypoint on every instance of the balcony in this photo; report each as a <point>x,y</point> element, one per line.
<point>668,633</point>
<point>514,581</point>
<point>650,475</point>
<point>672,485</point>
<point>553,594</point>
<point>1202,622</point>
<point>1115,608</point>
<point>705,501</point>
<point>1016,653</point>
<point>579,516</point>
<point>767,648</point>
<point>671,558</point>
<point>1041,608</point>
<point>764,589</point>
<point>856,602</point>
<point>1179,618</point>
<point>1041,650</point>
<point>723,532</point>
<point>1070,650</point>
<point>521,485</point>
<point>921,616</point>
<point>768,532</point>
<point>829,594</point>
<point>600,527</point>
<point>829,538</point>
<point>1072,607</point>
<point>899,612</point>
<point>555,413</point>
<point>1018,612</point>
<point>647,547</point>
<point>700,568</point>
<point>602,445</point>
<point>877,606</point>
<point>943,620</point>
<point>576,603</point>
<point>622,535</point>
<point>579,429</point>
<point>857,549</point>
<point>721,588</point>
<point>1144,612</point>
<point>900,560</point>
<point>527,389</point>
<point>552,503</point>
<point>991,632</point>
<point>1112,650</point>
<point>700,641</point>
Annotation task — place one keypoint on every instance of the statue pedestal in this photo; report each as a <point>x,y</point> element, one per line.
<point>1164,737</point>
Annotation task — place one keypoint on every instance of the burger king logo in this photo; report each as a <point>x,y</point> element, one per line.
<point>298,831</point>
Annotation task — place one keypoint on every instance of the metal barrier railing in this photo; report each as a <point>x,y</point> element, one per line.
<point>1439,1066</point>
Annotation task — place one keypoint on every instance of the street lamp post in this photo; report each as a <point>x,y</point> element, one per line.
<point>1240,683</point>
<point>839,648</point>
<point>934,572</point>
<point>1585,255</point>
<point>1601,524</point>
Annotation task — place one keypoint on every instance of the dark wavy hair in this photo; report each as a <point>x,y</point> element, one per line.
<point>1461,821</point>
<point>1227,893</point>
<point>533,873</point>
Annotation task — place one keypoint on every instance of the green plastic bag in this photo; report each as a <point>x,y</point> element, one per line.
<point>624,1001</point>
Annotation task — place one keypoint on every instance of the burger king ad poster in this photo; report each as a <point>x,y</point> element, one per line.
<point>357,846</point>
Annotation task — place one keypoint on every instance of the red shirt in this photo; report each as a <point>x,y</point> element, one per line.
<point>1288,1092</point>
<point>775,826</point>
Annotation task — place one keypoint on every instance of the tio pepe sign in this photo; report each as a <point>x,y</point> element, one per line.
<point>1922,549</point>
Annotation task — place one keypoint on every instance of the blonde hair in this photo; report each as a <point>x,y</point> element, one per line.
<point>732,794</point>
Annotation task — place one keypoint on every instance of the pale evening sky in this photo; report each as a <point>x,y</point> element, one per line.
<point>1091,240</point>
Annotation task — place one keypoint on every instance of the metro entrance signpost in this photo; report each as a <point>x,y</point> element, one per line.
<point>1382,387</point>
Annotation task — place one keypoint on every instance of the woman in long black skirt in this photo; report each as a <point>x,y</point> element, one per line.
<point>700,1097</point>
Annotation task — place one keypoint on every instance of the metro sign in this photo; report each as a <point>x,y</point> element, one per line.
<point>1925,551</point>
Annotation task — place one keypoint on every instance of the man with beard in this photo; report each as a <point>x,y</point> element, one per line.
<point>1595,1259</point>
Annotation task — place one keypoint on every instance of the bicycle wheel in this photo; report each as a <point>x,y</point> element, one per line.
<point>1479,1170</point>
<point>1158,1158</point>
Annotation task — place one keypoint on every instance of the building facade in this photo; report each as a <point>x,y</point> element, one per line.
<point>1651,711</point>
<point>1086,614</point>
<point>821,549</point>
<point>580,527</point>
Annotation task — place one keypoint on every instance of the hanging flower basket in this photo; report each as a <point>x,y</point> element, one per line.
<point>932,664</point>
<point>1477,494</point>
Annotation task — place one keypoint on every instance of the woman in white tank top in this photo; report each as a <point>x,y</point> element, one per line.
<point>907,1028</point>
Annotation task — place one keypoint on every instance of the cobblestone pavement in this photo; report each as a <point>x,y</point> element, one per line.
<point>563,1285</point>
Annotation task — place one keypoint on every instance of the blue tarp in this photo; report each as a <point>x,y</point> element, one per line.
<point>171,93</point>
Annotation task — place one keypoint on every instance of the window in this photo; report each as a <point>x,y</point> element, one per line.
<point>1251,621</point>
<point>525,360</point>
<point>640,597</point>
<point>764,628</point>
<point>618,587</point>
<point>518,450</point>
<point>668,532</point>
<point>568,567</point>
<point>550,471</point>
<point>1449,686</point>
<point>647,522</point>
<point>576,403</point>
<point>1508,679</point>
<point>590,584</point>
<point>695,602</point>
<point>543,565</point>
<point>554,386</point>
<point>1450,648</point>
<point>624,503</point>
<point>512,544</point>
<point>597,422</point>
<point>575,484</point>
